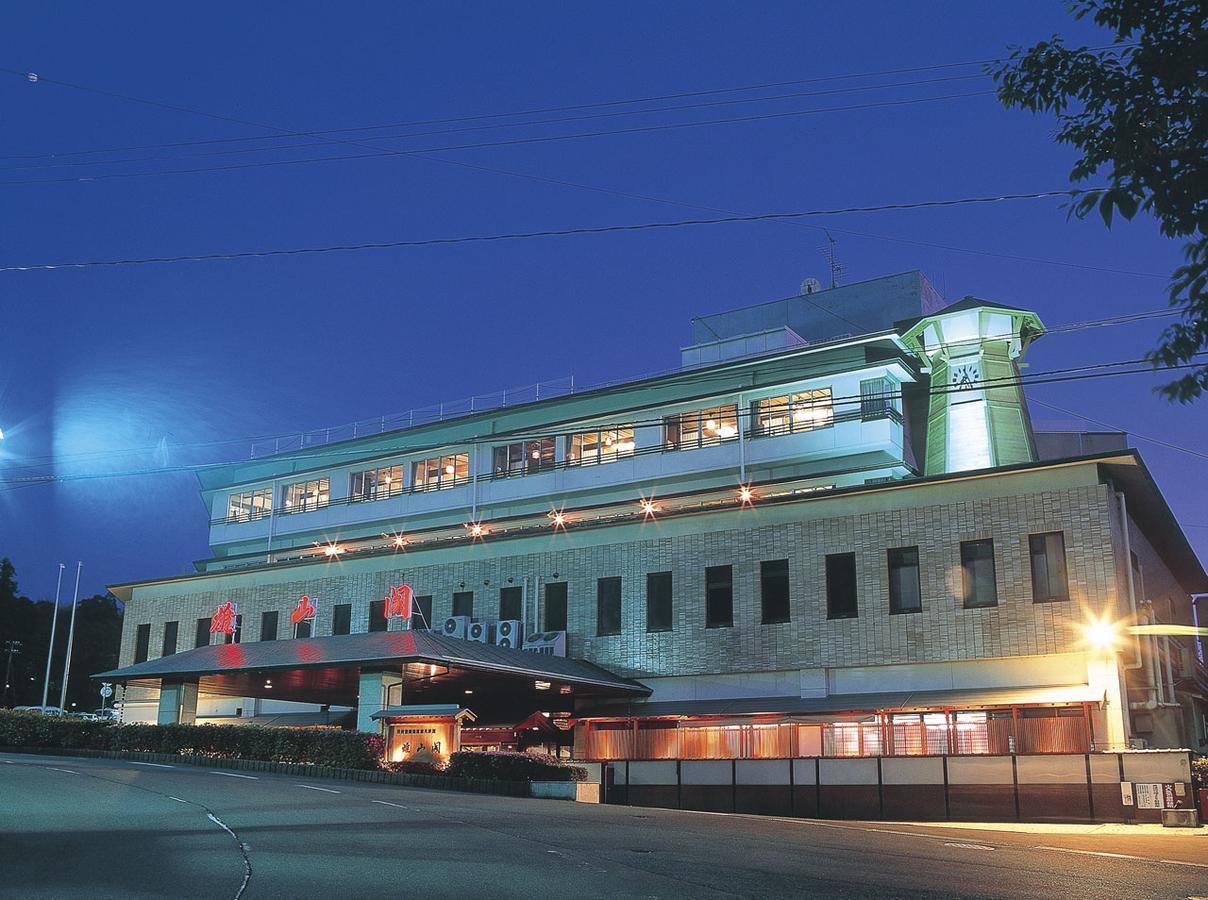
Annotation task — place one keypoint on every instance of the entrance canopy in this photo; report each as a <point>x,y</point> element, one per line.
<point>326,670</point>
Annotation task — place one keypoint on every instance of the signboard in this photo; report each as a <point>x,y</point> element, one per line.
<point>1126,793</point>
<point>398,602</point>
<point>305,611</point>
<point>1149,796</point>
<point>106,690</point>
<point>223,621</point>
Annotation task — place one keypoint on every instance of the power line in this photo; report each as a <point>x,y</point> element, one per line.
<point>563,232</point>
<point>1144,437</point>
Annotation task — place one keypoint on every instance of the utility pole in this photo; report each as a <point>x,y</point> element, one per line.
<point>10,647</point>
<point>50,652</point>
<point>70,638</point>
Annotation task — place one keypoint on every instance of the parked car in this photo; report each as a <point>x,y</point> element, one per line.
<point>108,714</point>
<point>45,710</point>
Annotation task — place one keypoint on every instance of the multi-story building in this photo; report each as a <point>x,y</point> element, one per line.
<point>831,531</point>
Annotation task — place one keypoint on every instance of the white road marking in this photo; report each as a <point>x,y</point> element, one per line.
<point>1169,862</point>
<point>68,771</point>
<point>247,863</point>
<point>311,787</point>
<point>234,775</point>
<point>388,803</point>
<point>177,799</point>
<point>967,846</point>
<point>156,765</point>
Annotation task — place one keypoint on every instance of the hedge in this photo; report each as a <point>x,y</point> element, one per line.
<point>513,767</point>
<point>1199,773</point>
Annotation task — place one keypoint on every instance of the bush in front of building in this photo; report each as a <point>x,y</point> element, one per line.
<point>505,766</point>
<point>1199,773</point>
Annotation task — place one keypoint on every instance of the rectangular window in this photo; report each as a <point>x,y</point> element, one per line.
<point>171,629</point>
<point>509,603</point>
<point>977,574</point>
<point>268,625</point>
<point>774,591</point>
<point>587,448</point>
<point>248,505</point>
<point>841,586</point>
<point>523,457</point>
<point>304,629</point>
<point>878,398</point>
<point>658,601</point>
<point>440,472</point>
<point>201,637</point>
<point>700,428</point>
<point>800,411</point>
<point>555,606</point>
<point>421,615</point>
<point>608,606</point>
<point>305,495</point>
<point>377,615</point>
<point>237,635</point>
<point>376,484</point>
<point>463,603</point>
<point>1049,579</point>
<point>142,642</point>
<point>719,596</point>
<point>905,594</point>
<point>341,618</point>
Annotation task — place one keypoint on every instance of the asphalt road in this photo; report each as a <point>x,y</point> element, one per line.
<point>101,828</point>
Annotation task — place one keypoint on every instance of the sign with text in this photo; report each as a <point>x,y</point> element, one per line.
<point>305,611</point>
<point>398,602</point>
<point>223,621</point>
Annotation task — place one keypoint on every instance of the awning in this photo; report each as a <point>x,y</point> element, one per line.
<point>898,701</point>
<point>425,711</point>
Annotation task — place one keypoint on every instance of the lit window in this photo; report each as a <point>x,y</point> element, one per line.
<point>440,472</point>
<point>523,457</point>
<point>304,495</point>
<point>248,505</point>
<point>700,428</point>
<point>377,484</point>
<point>590,447</point>
<point>802,411</point>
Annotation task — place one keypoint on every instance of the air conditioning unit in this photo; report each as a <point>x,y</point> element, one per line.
<point>508,633</point>
<point>478,631</point>
<point>552,643</point>
<point>456,626</point>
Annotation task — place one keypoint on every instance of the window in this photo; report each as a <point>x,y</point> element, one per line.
<point>658,601</point>
<point>341,618</point>
<point>268,625</point>
<point>377,615</point>
<point>440,472</point>
<point>719,596</point>
<point>142,642</point>
<point>201,637</point>
<point>905,595</point>
<point>421,615</point>
<point>878,398</point>
<point>1049,580</point>
<point>700,428</point>
<point>304,629</point>
<point>587,448</point>
<point>801,411</point>
<point>304,495</point>
<point>376,484</point>
<point>509,603</point>
<point>463,603</point>
<point>555,606</point>
<point>608,606</point>
<point>977,574</point>
<point>171,629</point>
<point>774,591</point>
<point>523,457</point>
<point>236,636</point>
<point>248,505</point>
<point>841,586</point>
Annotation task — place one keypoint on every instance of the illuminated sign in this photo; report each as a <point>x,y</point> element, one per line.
<point>305,611</point>
<point>223,621</point>
<point>398,602</point>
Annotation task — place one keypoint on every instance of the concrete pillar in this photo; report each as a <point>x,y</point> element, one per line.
<point>372,697</point>
<point>1106,677</point>
<point>177,703</point>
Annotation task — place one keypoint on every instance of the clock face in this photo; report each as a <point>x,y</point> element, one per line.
<point>965,375</point>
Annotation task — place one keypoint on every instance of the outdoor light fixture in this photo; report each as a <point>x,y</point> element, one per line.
<point>476,529</point>
<point>332,550</point>
<point>745,496</point>
<point>1101,634</point>
<point>558,517</point>
<point>648,508</point>
<point>542,685</point>
<point>400,541</point>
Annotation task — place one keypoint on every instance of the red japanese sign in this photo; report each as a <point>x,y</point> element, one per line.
<point>223,621</point>
<point>398,602</point>
<point>305,611</point>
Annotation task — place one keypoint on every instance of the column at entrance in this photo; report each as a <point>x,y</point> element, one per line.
<point>373,697</point>
<point>177,703</point>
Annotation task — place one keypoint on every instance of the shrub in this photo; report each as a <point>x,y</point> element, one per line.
<point>1199,773</point>
<point>416,767</point>
<point>503,766</point>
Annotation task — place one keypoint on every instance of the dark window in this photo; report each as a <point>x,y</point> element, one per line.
<point>555,606</point>
<point>905,596</point>
<point>977,574</point>
<point>237,635</point>
<point>876,398</point>
<point>421,615</point>
<point>841,586</point>
<point>304,629</point>
<point>170,631</point>
<point>1049,580</point>
<point>719,596</point>
<point>341,618</point>
<point>463,603</point>
<point>774,591</point>
<point>268,626</point>
<point>509,603</point>
<point>608,606</point>
<point>142,641</point>
<point>658,601</point>
<point>201,637</point>
<point>377,615</point>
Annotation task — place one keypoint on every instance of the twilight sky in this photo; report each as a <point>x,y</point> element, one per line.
<point>114,370</point>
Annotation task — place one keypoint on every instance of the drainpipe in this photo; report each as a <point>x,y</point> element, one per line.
<point>742,441</point>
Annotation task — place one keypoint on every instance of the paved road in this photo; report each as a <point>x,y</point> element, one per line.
<point>102,828</point>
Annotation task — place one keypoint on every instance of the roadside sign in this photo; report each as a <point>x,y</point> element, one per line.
<point>1126,793</point>
<point>1149,796</point>
<point>106,690</point>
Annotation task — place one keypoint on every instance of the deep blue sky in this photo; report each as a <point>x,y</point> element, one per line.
<point>98,360</point>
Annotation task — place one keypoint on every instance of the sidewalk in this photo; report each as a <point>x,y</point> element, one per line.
<point>1107,828</point>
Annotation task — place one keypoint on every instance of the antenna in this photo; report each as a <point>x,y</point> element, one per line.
<point>836,269</point>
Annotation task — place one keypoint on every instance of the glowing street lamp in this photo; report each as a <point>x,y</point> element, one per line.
<point>1101,634</point>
